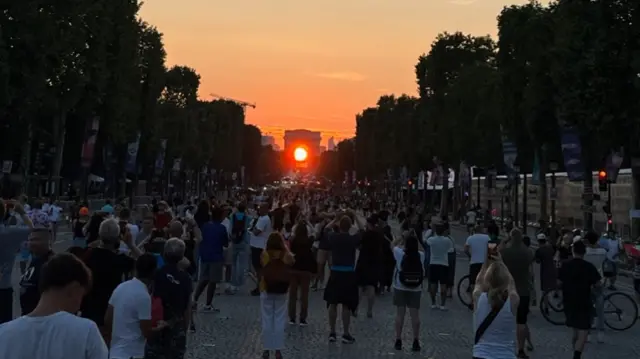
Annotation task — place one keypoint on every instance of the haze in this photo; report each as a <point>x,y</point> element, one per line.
<point>310,64</point>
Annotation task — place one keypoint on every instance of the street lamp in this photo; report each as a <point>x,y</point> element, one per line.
<point>553,167</point>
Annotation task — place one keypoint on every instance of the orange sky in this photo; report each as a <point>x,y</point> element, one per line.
<point>310,64</point>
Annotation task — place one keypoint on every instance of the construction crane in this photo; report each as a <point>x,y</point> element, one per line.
<point>244,104</point>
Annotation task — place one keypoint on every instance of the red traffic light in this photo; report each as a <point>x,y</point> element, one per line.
<point>602,174</point>
<point>609,221</point>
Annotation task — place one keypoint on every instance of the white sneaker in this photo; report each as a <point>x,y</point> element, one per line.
<point>600,337</point>
<point>433,306</point>
<point>443,308</point>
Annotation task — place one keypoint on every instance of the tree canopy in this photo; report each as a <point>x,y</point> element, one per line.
<point>566,64</point>
<point>67,65</point>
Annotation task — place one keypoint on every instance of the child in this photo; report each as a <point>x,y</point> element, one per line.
<point>274,286</point>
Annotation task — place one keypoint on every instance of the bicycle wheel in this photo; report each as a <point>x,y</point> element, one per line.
<point>552,308</point>
<point>620,311</point>
<point>465,292</point>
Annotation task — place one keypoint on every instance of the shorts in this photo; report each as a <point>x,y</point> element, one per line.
<point>609,269</point>
<point>211,271</point>
<point>406,298</point>
<point>438,274</point>
<point>256,256</point>
<point>6,305</point>
<point>474,270</point>
<point>578,317</point>
<point>342,288</point>
<point>523,310</point>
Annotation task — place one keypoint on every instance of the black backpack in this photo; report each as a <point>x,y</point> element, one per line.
<point>238,228</point>
<point>411,273</point>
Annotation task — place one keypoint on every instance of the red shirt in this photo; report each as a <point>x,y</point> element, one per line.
<point>162,220</point>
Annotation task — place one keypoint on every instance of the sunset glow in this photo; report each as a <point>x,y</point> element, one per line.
<point>300,154</point>
<point>310,64</point>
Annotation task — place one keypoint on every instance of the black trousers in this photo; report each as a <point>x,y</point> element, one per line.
<point>6,305</point>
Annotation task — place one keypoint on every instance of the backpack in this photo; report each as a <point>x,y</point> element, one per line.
<point>411,273</point>
<point>238,229</point>
<point>276,276</point>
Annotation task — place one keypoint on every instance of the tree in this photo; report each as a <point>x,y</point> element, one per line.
<point>346,156</point>
<point>152,72</point>
<point>328,166</point>
<point>179,96</point>
<point>386,136</point>
<point>436,72</point>
<point>592,63</point>
<point>525,41</point>
<point>251,153</point>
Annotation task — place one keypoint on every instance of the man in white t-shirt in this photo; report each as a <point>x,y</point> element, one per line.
<point>53,211</point>
<point>50,331</point>
<point>476,248</point>
<point>471,220</point>
<point>125,216</point>
<point>259,232</point>
<point>439,248</point>
<point>129,312</point>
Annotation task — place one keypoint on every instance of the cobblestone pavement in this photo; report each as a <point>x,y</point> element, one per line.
<point>235,332</point>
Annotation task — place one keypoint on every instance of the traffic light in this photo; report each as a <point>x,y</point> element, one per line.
<point>603,181</point>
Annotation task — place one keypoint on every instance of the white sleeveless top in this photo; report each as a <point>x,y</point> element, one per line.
<point>498,341</point>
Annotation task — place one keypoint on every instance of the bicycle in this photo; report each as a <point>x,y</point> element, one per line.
<point>547,306</point>
<point>464,288</point>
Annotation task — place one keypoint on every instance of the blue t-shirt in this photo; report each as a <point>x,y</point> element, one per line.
<point>239,216</point>
<point>214,238</point>
<point>11,238</point>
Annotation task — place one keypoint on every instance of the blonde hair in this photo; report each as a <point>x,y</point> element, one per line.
<point>496,280</point>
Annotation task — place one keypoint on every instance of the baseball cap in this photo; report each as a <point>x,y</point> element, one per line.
<point>107,208</point>
<point>541,237</point>
<point>84,211</point>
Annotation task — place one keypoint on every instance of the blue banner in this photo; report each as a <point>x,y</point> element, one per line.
<point>132,155</point>
<point>572,154</point>
<point>159,164</point>
<point>535,175</point>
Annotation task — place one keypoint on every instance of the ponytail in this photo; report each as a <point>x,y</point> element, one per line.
<point>497,297</point>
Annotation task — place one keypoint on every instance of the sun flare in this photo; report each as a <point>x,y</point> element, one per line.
<point>300,154</point>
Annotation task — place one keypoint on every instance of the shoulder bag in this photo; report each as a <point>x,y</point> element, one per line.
<point>482,328</point>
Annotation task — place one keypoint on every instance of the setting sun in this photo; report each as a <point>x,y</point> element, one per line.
<point>300,154</point>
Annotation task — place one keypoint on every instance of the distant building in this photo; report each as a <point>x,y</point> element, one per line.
<point>268,140</point>
<point>331,144</point>
<point>276,147</point>
<point>323,148</point>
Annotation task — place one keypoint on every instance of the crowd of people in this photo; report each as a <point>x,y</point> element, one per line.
<point>129,288</point>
